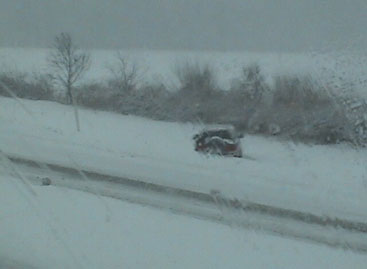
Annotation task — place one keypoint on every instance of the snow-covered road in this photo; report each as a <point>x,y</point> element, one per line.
<point>211,206</point>
<point>65,228</point>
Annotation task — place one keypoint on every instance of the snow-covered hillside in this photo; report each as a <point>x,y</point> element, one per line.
<point>324,180</point>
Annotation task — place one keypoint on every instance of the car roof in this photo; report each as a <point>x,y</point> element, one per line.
<point>219,128</point>
<point>221,132</point>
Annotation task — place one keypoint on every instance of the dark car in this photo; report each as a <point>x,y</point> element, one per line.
<point>225,142</point>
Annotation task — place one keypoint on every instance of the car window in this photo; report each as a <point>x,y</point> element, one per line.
<point>183,134</point>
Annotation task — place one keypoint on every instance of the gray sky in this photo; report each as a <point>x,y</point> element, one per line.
<point>261,25</point>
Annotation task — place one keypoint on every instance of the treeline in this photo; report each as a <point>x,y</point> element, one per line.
<point>293,107</point>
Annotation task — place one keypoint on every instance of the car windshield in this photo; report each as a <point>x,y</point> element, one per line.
<point>183,134</point>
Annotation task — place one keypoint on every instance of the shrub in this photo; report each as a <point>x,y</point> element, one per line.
<point>299,92</point>
<point>124,75</point>
<point>98,96</point>
<point>195,79</point>
<point>40,87</point>
<point>14,81</point>
<point>245,97</point>
<point>36,87</point>
<point>251,87</point>
<point>153,101</point>
<point>303,110</point>
<point>198,95</point>
<point>148,101</point>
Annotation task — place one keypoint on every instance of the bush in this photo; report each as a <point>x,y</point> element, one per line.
<point>98,96</point>
<point>251,87</point>
<point>40,87</point>
<point>195,79</point>
<point>302,110</point>
<point>124,75</point>
<point>153,100</point>
<point>36,87</point>
<point>245,97</point>
<point>15,82</point>
<point>149,101</point>
<point>198,95</point>
<point>355,110</point>
<point>299,92</point>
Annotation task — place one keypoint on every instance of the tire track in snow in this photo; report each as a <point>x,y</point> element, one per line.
<point>334,232</point>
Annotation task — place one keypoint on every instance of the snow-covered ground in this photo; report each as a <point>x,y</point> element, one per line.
<point>62,228</point>
<point>323,180</point>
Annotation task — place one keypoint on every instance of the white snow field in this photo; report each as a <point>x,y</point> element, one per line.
<point>323,180</point>
<point>63,228</point>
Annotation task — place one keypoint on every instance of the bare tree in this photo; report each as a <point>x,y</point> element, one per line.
<point>68,65</point>
<point>252,84</point>
<point>125,75</point>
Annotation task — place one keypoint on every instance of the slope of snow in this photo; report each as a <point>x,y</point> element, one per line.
<point>324,180</point>
<point>62,228</point>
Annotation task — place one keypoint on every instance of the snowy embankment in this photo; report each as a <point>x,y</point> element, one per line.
<point>63,228</point>
<point>323,180</point>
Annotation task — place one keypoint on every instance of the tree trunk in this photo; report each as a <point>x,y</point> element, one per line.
<point>74,104</point>
<point>69,96</point>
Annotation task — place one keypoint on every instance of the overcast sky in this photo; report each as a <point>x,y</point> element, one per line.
<point>261,25</point>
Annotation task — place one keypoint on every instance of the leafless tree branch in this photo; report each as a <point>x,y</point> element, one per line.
<point>68,65</point>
